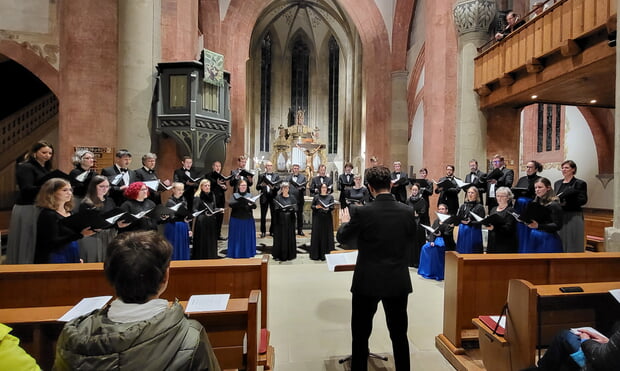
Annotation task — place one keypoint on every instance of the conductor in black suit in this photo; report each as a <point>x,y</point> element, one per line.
<point>122,160</point>
<point>505,180</point>
<point>297,183</point>
<point>382,230</point>
<point>268,190</point>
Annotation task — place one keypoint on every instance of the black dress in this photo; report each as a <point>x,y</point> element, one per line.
<point>80,186</point>
<point>322,239</point>
<point>93,248</point>
<point>503,236</point>
<point>23,226</point>
<point>357,196</point>
<point>146,223</point>
<point>205,228</point>
<point>284,242</point>
<point>55,242</point>
<point>420,208</point>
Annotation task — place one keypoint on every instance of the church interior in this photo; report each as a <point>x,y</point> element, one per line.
<point>313,82</point>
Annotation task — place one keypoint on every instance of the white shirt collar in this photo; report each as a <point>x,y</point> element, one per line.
<point>122,312</point>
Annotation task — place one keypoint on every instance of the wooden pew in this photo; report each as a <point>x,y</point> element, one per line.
<point>226,330</point>
<point>595,222</point>
<point>476,284</point>
<point>5,221</point>
<point>537,312</point>
<point>64,285</point>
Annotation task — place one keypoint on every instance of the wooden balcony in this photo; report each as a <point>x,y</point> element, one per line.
<point>561,56</point>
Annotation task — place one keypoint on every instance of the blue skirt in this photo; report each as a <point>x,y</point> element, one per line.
<point>544,242</point>
<point>68,254</point>
<point>433,260</point>
<point>241,238</point>
<point>177,234</point>
<point>469,240</point>
<point>523,231</point>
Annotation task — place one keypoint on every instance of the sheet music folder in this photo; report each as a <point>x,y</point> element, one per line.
<point>491,322</point>
<point>341,261</point>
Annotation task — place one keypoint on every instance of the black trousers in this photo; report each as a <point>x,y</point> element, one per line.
<point>263,216</point>
<point>363,311</point>
<point>220,201</point>
<point>300,215</point>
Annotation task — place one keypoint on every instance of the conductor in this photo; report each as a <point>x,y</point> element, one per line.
<point>382,229</point>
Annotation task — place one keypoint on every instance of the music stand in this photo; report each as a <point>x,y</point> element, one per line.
<point>348,268</point>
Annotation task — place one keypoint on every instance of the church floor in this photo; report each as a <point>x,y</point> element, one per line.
<point>310,310</point>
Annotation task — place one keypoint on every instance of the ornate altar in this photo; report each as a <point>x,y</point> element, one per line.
<point>298,144</point>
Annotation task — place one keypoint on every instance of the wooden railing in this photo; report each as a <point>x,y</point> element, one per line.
<point>557,28</point>
<point>20,124</point>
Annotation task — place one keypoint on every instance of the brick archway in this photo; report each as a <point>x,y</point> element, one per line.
<point>33,62</point>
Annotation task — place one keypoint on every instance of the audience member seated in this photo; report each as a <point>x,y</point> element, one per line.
<point>12,356</point>
<point>513,22</point>
<point>138,330</point>
<point>584,350</point>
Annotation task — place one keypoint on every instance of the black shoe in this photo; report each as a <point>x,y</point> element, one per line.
<point>262,235</point>
<point>301,233</point>
<point>220,238</point>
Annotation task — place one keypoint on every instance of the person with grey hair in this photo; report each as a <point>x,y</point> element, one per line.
<point>147,173</point>
<point>81,175</point>
<point>118,184</point>
<point>503,229</point>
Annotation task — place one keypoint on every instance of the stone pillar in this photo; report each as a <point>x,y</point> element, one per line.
<point>440,88</point>
<point>139,45</point>
<point>88,76</point>
<point>399,128</point>
<point>612,234</point>
<point>472,19</point>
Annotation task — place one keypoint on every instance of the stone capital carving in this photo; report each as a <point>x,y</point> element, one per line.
<point>474,15</point>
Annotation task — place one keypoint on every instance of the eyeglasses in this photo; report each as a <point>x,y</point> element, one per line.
<point>143,189</point>
<point>496,161</point>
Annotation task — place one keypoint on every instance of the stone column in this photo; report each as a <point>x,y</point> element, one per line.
<point>612,234</point>
<point>139,45</point>
<point>472,19</point>
<point>400,127</point>
<point>88,71</point>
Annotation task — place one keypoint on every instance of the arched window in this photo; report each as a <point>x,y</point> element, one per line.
<point>265,92</point>
<point>299,76</point>
<point>334,55</point>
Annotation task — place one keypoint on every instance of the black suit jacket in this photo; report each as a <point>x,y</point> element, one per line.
<point>382,230</point>
<point>297,192</point>
<point>315,186</point>
<point>144,175</point>
<point>505,180</point>
<point>115,189</point>
<point>216,188</point>
<point>480,181</point>
<point>399,190</point>
<point>269,192</point>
